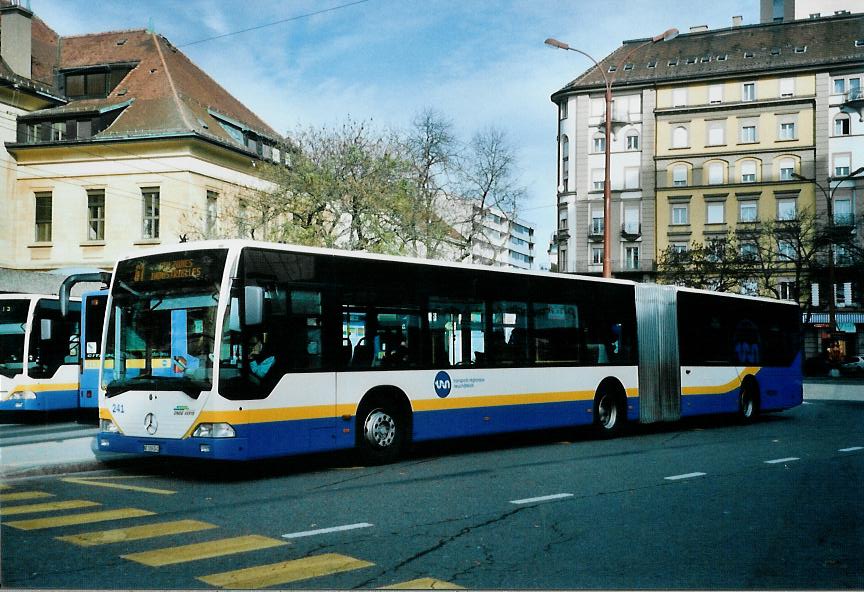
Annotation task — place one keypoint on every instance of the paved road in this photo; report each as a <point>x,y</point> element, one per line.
<point>705,504</point>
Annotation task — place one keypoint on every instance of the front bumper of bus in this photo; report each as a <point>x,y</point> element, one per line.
<point>213,448</point>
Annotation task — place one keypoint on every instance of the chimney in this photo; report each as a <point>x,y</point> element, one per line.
<point>698,28</point>
<point>737,20</point>
<point>16,26</point>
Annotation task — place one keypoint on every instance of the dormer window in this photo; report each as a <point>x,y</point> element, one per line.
<point>775,51</point>
<point>93,83</point>
<point>801,49</point>
<point>691,60</point>
<point>613,68</point>
<point>859,43</point>
<point>722,57</point>
<point>652,64</point>
<point>628,67</point>
<point>673,62</point>
<point>748,54</point>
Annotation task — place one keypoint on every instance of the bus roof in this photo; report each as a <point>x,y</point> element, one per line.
<point>238,244</point>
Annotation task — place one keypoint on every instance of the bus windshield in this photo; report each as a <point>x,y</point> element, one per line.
<point>161,331</point>
<point>13,321</point>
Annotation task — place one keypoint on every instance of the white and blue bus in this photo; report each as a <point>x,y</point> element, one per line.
<point>93,305</point>
<point>241,350</point>
<point>39,349</point>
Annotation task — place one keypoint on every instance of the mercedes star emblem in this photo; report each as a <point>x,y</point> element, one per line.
<point>150,423</point>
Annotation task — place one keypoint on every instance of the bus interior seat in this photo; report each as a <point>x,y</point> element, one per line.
<point>345,356</point>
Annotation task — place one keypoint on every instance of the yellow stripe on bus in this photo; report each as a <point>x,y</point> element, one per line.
<point>45,388</point>
<point>208,550</point>
<point>47,507</point>
<point>73,519</point>
<point>285,572</point>
<point>135,533</point>
<point>720,389</point>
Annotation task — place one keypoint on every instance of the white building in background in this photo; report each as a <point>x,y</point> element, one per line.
<point>497,239</point>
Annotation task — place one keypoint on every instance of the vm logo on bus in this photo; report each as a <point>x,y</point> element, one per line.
<point>442,384</point>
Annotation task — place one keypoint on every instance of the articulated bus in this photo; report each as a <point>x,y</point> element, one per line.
<point>39,349</point>
<point>93,306</point>
<point>242,350</point>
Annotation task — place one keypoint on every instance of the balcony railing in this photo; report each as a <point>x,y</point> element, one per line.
<point>631,231</point>
<point>595,233</point>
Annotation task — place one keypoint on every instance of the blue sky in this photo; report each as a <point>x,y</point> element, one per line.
<point>478,62</point>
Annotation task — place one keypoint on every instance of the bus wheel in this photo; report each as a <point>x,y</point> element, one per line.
<point>748,400</point>
<point>609,414</point>
<point>382,434</point>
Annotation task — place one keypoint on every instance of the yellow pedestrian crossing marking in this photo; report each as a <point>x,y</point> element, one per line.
<point>23,495</point>
<point>47,507</point>
<point>285,572</point>
<point>424,584</point>
<point>171,555</point>
<point>97,482</point>
<point>72,519</point>
<point>135,533</point>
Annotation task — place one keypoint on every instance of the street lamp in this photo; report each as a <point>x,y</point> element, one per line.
<point>666,35</point>
<point>829,203</point>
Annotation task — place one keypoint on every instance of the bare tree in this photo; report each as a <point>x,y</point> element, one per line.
<point>487,182</point>
<point>433,151</point>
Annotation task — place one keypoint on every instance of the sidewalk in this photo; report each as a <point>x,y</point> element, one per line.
<point>76,454</point>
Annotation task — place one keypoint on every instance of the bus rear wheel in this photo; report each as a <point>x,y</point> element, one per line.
<point>381,433</point>
<point>609,414</point>
<point>748,401</point>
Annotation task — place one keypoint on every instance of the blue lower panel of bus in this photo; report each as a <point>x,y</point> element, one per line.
<point>44,401</point>
<point>260,440</point>
<point>474,421</point>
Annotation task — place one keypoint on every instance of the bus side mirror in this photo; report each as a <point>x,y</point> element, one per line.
<point>254,308</point>
<point>45,327</point>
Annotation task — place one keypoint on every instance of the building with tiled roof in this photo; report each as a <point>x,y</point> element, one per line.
<point>710,133</point>
<point>111,142</point>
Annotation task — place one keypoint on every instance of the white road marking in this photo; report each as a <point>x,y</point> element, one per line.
<point>684,476</point>
<point>852,449</point>
<point>544,498</point>
<point>306,533</point>
<point>781,460</point>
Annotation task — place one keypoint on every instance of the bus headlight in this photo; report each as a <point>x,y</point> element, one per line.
<point>107,425</point>
<point>20,395</point>
<point>214,430</point>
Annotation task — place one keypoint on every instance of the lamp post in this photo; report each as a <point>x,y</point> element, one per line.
<point>607,186</point>
<point>829,204</point>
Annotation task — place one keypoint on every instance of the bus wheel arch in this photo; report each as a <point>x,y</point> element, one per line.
<point>610,407</point>
<point>749,398</point>
<point>383,424</point>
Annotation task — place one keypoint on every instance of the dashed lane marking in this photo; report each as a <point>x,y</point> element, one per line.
<point>684,476</point>
<point>99,483</point>
<point>544,498</point>
<point>73,519</point>
<point>196,551</point>
<point>781,460</point>
<point>424,584</point>
<point>285,572</point>
<point>135,533</point>
<point>306,533</point>
<point>851,449</point>
<point>47,507</point>
<point>23,495</point>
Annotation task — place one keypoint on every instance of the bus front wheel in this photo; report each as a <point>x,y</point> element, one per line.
<point>382,433</point>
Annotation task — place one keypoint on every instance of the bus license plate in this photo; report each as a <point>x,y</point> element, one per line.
<point>151,448</point>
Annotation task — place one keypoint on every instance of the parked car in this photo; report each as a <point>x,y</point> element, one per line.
<point>853,365</point>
